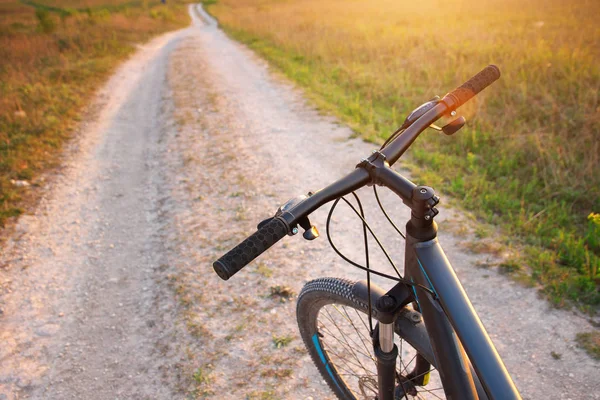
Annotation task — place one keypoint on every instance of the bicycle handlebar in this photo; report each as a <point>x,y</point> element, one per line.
<point>470,88</point>
<point>278,227</point>
<point>256,244</point>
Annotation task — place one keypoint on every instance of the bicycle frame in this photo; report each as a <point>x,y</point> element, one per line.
<point>454,329</point>
<point>447,312</point>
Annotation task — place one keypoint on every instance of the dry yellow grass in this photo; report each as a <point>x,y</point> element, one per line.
<point>53,55</point>
<point>529,159</point>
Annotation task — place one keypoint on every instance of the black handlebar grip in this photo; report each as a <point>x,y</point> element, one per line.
<point>241,255</point>
<point>470,88</point>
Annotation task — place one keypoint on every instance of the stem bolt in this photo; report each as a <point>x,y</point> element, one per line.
<point>423,190</point>
<point>386,303</point>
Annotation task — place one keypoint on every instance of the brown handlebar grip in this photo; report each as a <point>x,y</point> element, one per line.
<point>470,88</point>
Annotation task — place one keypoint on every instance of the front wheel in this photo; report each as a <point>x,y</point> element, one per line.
<point>333,322</point>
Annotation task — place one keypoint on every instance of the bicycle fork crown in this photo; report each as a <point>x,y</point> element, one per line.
<point>386,352</point>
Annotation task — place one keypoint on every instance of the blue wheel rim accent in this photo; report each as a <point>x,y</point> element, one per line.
<point>317,344</point>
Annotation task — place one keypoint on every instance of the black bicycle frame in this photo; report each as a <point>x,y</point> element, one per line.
<point>446,309</point>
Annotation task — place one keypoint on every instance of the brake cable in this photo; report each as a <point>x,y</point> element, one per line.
<point>393,136</point>
<point>367,263</point>
<point>369,270</point>
<point>386,214</point>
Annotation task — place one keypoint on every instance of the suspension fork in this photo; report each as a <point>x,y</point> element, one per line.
<point>388,308</point>
<point>386,352</point>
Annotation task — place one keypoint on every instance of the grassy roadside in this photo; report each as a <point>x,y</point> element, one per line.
<point>54,55</point>
<point>528,159</point>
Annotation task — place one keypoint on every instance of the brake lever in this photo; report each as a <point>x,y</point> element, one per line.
<point>420,111</point>
<point>310,231</point>
<point>452,127</point>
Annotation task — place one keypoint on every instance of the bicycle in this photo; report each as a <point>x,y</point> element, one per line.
<point>350,328</point>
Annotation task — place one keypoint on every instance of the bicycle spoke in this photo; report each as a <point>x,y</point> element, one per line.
<point>329,350</point>
<point>343,336</point>
<point>347,317</point>
<point>407,364</point>
<point>348,344</point>
<point>430,392</point>
<point>352,323</point>
<point>345,344</point>
<point>362,320</point>
<point>358,331</point>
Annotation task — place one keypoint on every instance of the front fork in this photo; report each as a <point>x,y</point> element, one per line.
<point>386,353</point>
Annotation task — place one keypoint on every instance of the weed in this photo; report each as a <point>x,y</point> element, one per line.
<point>264,270</point>
<point>282,341</point>
<point>487,246</point>
<point>198,330</point>
<point>240,213</point>
<point>243,303</point>
<point>484,264</point>
<point>590,341</point>
<point>509,267</point>
<point>277,373</point>
<point>300,350</point>
<point>283,292</point>
<point>9,212</point>
<point>261,395</point>
<point>202,377</point>
<point>555,355</point>
<point>238,328</point>
<point>482,231</point>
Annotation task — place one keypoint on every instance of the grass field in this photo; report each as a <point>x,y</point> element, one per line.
<point>528,161</point>
<point>53,56</point>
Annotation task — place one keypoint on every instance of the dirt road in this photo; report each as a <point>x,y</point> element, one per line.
<point>106,291</point>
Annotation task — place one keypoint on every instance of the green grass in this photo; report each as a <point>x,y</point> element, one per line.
<point>202,376</point>
<point>590,341</point>
<point>202,381</point>
<point>527,160</point>
<point>281,341</point>
<point>55,54</point>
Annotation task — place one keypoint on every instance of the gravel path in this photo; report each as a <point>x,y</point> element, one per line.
<point>107,290</point>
